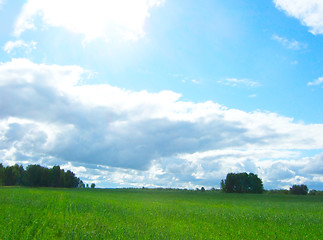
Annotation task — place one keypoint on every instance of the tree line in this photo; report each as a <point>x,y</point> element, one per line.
<point>251,183</point>
<point>38,176</point>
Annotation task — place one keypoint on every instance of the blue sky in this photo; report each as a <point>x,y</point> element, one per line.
<point>161,93</point>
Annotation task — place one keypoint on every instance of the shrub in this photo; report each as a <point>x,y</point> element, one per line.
<point>299,189</point>
<point>278,191</point>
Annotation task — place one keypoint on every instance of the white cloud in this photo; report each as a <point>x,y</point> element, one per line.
<point>289,44</point>
<point>318,81</point>
<point>91,18</point>
<point>277,168</point>
<point>11,45</point>
<point>234,82</point>
<point>309,12</point>
<point>126,138</point>
<point>314,165</point>
<point>186,79</point>
<point>196,81</point>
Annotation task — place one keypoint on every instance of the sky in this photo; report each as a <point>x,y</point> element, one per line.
<point>162,93</point>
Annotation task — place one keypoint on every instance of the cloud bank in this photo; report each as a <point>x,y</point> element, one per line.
<point>309,12</point>
<point>91,18</point>
<point>122,137</point>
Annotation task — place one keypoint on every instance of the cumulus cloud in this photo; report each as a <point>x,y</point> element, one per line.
<point>289,44</point>
<point>309,12</point>
<point>234,82</point>
<point>318,81</point>
<point>11,45</point>
<point>91,18</point>
<point>314,165</point>
<point>277,168</point>
<point>139,138</point>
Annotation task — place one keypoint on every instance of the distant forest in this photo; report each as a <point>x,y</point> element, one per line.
<point>38,176</point>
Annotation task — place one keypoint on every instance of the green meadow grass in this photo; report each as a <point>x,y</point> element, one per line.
<point>44,213</point>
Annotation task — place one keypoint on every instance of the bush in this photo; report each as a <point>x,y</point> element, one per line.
<point>315,193</point>
<point>299,189</point>
<point>312,192</point>
<point>278,191</point>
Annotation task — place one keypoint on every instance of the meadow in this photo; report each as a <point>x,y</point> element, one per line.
<point>49,213</point>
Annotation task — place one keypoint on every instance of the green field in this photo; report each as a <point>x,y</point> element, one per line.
<point>42,213</point>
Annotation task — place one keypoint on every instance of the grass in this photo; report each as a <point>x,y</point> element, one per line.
<point>44,213</point>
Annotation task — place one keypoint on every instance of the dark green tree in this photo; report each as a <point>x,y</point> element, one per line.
<point>242,183</point>
<point>70,181</point>
<point>299,189</point>
<point>38,176</point>
<point>93,185</point>
<point>1,175</point>
<point>54,176</point>
<point>62,178</point>
<point>34,175</point>
<point>21,174</point>
<point>13,175</point>
<point>223,186</point>
<point>255,184</point>
<point>44,182</point>
<point>81,184</point>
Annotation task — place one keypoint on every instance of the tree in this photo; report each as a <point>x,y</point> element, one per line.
<point>1,175</point>
<point>223,186</point>
<point>54,176</point>
<point>299,189</point>
<point>312,192</point>
<point>93,185</point>
<point>44,180</point>
<point>38,176</point>
<point>34,175</point>
<point>12,175</point>
<point>70,180</point>
<point>81,184</point>
<point>202,189</point>
<point>242,183</point>
<point>255,182</point>
<point>62,178</point>
<point>21,174</point>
